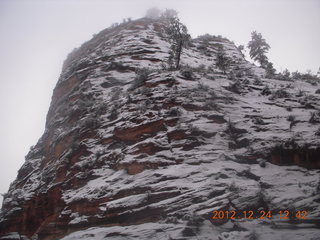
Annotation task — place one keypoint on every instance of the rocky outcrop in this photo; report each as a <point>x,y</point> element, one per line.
<point>122,159</point>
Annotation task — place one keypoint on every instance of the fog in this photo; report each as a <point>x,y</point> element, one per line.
<point>36,37</point>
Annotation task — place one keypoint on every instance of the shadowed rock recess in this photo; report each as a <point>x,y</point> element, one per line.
<point>134,150</point>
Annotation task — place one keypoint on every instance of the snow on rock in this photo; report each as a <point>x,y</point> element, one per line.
<point>150,157</point>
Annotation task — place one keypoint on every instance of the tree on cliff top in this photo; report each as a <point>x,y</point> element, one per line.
<point>177,34</point>
<point>258,48</point>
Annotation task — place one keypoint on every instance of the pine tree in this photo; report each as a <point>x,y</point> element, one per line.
<point>258,47</point>
<point>178,37</point>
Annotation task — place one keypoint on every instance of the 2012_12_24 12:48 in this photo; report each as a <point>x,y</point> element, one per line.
<point>260,214</point>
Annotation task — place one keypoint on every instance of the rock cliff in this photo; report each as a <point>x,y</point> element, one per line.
<point>134,150</point>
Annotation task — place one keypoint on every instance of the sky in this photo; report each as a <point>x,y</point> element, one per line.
<point>36,36</point>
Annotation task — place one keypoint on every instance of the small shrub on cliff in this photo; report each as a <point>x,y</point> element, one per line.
<point>262,163</point>
<point>306,101</point>
<point>201,69</point>
<point>280,93</point>
<point>231,76</point>
<point>300,93</point>
<point>90,122</point>
<point>314,117</point>
<point>235,87</point>
<point>257,81</point>
<point>318,91</point>
<point>266,91</point>
<point>233,187</point>
<point>172,219</point>
<point>129,99</point>
<point>187,72</point>
<point>258,120</point>
<point>211,105</point>
<point>174,112</point>
<point>231,129</point>
<point>245,81</point>
<point>142,75</point>
<point>113,114</point>
<point>291,118</point>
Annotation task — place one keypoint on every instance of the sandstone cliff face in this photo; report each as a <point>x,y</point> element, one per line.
<point>123,159</point>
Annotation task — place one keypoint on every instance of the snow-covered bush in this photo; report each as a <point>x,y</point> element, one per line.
<point>245,81</point>
<point>285,75</point>
<point>172,219</point>
<point>291,118</point>
<point>129,99</point>
<point>142,75</point>
<point>174,112</point>
<point>187,72</point>
<point>232,76</point>
<point>211,105</point>
<point>235,87</point>
<point>258,120</point>
<point>289,108</point>
<point>262,163</point>
<point>201,69</point>
<point>257,81</point>
<point>314,117</point>
<point>280,93</point>
<point>300,93</point>
<point>266,90</point>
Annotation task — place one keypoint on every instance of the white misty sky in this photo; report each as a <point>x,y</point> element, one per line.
<point>36,37</point>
